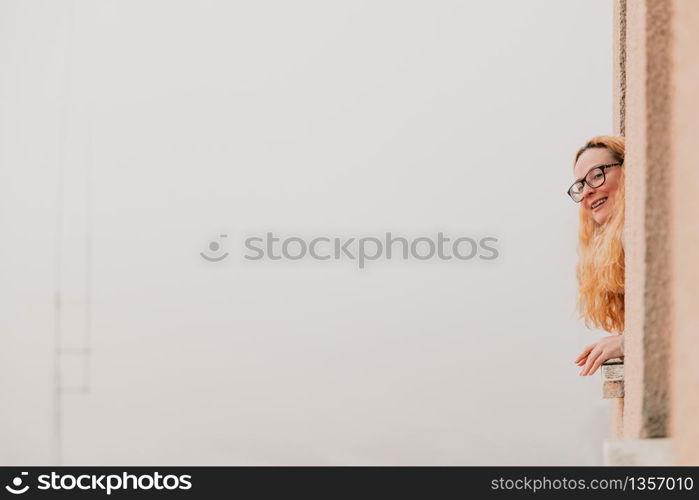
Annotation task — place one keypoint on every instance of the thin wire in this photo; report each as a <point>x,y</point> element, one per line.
<point>57,414</point>
<point>87,345</point>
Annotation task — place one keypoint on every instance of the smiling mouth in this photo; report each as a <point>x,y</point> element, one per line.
<point>598,203</point>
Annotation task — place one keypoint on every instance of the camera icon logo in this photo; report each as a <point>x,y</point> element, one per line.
<point>214,247</point>
<point>17,483</point>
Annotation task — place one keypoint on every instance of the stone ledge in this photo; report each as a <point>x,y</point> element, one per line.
<point>613,378</point>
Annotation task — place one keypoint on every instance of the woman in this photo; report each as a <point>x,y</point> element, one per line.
<point>599,188</point>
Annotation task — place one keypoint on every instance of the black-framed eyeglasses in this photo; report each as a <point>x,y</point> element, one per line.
<point>594,178</point>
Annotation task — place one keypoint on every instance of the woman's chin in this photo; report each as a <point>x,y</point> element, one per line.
<point>601,217</point>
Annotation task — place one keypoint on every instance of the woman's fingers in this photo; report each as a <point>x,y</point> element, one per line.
<point>595,354</point>
<point>591,360</point>
<point>585,352</point>
<point>597,364</point>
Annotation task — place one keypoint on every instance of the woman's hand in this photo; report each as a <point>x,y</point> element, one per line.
<point>595,354</point>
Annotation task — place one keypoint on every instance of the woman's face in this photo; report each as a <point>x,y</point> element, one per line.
<point>602,198</point>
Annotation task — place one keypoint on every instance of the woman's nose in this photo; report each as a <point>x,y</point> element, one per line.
<point>587,190</point>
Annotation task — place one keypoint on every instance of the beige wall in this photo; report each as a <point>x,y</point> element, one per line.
<point>648,297</point>
<point>655,107</point>
<point>685,231</point>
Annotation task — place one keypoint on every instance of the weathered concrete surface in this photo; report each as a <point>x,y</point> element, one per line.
<point>656,97</point>
<point>619,75</point>
<point>684,406</point>
<point>618,126</point>
<point>648,173</point>
<point>613,379</point>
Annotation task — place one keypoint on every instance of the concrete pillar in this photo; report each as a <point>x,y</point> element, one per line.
<point>619,81</point>
<point>684,427</point>
<point>647,120</point>
<point>618,126</point>
<point>656,106</point>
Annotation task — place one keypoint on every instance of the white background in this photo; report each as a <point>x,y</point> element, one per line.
<point>135,132</point>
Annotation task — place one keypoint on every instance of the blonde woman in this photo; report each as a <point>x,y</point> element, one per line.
<point>599,189</point>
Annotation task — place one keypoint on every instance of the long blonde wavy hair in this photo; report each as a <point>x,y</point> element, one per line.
<point>600,269</point>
